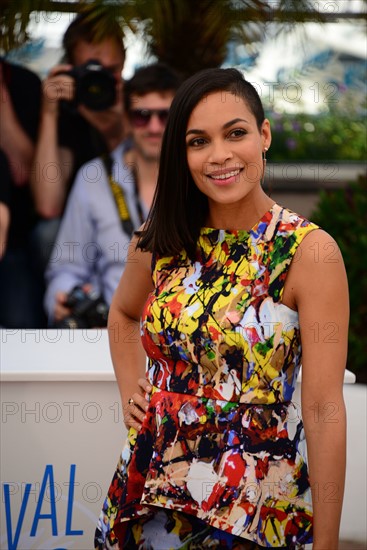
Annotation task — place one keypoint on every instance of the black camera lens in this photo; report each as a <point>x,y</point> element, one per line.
<point>95,86</point>
<point>88,310</point>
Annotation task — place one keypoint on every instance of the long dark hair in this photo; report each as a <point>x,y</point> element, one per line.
<point>179,208</point>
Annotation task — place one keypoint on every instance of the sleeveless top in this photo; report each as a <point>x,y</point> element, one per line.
<point>222,439</point>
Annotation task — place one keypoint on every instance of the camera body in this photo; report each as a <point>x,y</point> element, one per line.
<point>89,310</point>
<point>95,86</point>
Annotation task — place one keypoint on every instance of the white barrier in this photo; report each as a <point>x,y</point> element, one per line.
<point>61,434</point>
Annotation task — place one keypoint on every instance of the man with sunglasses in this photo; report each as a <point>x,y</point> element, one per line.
<point>148,96</point>
<point>110,198</point>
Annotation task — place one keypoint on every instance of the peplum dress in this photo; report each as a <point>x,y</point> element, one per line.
<point>222,441</point>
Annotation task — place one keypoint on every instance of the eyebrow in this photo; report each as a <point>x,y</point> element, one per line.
<point>225,126</point>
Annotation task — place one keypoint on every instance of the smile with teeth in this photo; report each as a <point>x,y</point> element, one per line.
<point>226,175</point>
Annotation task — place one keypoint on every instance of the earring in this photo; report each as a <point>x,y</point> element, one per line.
<point>264,164</point>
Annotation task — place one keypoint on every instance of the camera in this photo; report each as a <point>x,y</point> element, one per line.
<point>89,310</point>
<point>95,86</point>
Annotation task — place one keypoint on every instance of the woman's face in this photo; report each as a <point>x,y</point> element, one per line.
<point>224,148</point>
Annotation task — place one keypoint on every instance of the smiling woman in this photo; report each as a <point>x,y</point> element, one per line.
<point>223,285</point>
<point>224,155</point>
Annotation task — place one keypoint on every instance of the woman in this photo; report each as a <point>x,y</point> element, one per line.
<point>223,283</point>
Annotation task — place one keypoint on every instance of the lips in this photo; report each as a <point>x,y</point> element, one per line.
<point>225,176</point>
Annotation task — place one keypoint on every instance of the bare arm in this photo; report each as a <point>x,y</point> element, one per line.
<point>128,355</point>
<point>321,294</point>
<point>52,164</point>
<point>14,141</point>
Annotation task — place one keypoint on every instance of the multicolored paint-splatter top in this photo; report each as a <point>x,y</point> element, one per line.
<point>222,440</point>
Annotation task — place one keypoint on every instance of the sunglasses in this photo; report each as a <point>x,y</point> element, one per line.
<point>141,117</point>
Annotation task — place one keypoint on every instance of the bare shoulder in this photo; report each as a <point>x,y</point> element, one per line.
<point>317,269</point>
<point>136,281</point>
<point>138,261</point>
<point>137,255</point>
<point>319,247</point>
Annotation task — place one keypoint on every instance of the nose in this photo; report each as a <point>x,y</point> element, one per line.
<point>220,152</point>
<point>155,124</point>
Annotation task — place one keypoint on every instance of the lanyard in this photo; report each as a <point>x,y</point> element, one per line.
<point>120,200</point>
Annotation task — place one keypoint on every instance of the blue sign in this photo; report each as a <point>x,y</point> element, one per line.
<point>14,528</point>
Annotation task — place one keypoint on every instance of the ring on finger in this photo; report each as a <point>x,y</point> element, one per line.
<point>131,401</point>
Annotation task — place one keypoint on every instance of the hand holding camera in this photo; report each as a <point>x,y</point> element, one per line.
<point>93,91</point>
<point>90,84</point>
<point>83,307</point>
<point>59,85</point>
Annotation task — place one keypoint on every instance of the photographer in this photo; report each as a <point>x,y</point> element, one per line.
<point>71,132</point>
<point>90,252</point>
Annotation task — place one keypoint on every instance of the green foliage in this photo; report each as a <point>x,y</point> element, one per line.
<point>342,213</point>
<point>331,136</point>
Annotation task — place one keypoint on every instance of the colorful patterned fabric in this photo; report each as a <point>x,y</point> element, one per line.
<point>171,530</point>
<point>221,440</point>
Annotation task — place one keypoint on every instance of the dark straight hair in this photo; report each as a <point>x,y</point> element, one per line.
<point>179,208</point>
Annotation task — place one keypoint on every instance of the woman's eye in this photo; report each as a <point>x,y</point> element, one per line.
<point>196,142</point>
<point>239,132</point>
